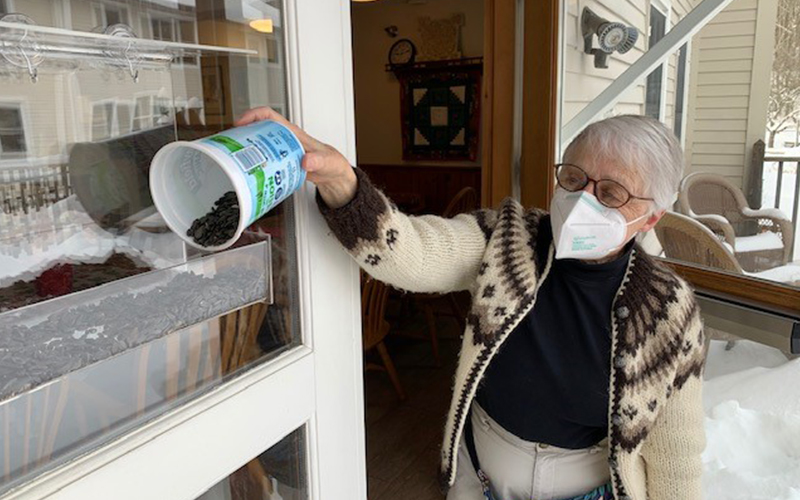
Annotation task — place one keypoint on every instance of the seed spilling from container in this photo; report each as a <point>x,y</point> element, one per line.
<point>219,225</point>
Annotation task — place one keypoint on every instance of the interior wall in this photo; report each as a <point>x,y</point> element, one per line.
<point>377,92</point>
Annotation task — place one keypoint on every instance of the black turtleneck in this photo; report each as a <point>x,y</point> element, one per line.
<point>549,381</point>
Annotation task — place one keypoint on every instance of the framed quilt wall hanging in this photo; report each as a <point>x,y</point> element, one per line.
<point>440,109</point>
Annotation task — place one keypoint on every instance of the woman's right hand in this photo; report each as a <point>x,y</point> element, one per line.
<point>325,166</point>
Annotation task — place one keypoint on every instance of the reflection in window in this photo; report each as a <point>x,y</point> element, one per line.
<point>151,111</point>
<point>279,473</point>
<point>124,118</point>
<point>12,133</point>
<point>115,15</point>
<point>188,34</point>
<point>76,214</point>
<point>102,121</point>
<point>162,29</point>
<point>108,14</point>
<point>272,49</point>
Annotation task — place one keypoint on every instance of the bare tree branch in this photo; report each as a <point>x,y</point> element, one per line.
<point>784,99</point>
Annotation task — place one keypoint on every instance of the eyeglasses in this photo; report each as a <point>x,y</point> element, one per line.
<point>608,192</point>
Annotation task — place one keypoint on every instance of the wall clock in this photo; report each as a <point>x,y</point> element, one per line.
<point>402,53</point>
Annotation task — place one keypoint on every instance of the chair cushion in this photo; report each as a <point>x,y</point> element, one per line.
<point>762,241</point>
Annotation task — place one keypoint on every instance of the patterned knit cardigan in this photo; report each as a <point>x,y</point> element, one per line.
<point>655,411</point>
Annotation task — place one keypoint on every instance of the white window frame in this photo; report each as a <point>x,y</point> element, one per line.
<point>665,8</point>
<point>113,129</point>
<point>684,90</point>
<point>150,96</point>
<point>318,384</point>
<point>132,107</point>
<point>178,62</point>
<point>102,8</point>
<point>191,61</point>
<point>151,116</point>
<point>21,105</point>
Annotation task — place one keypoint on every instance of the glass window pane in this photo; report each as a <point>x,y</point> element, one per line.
<point>12,143</point>
<point>78,227</point>
<point>12,134</point>
<point>166,30</point>
<point>124,118</point>
<point>278,473</point>
<point>737,210</point>
<point>113,16</point>
<point>188,34</point>
<point>10,118</point>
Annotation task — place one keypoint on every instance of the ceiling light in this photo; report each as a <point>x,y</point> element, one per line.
<point>262,25</point>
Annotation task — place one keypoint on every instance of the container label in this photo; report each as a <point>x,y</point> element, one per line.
<point>229,143</point>
<point>269,157</point>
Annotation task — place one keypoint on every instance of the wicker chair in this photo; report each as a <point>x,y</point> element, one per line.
<point>761,239</point>
<point>464,201</point>
<point>685,239</point>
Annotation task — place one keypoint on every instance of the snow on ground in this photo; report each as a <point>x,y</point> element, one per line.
<point>751,398</point>
<point>65,233</point>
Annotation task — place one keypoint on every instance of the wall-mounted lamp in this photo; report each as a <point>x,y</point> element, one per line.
<point>611,36</point>
<point>262,25</point>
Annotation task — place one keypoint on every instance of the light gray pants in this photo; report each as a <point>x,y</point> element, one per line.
<point>523,470</point>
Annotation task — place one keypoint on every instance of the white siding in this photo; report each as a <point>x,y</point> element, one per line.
<point>723,89</point>
<point>583,82</point>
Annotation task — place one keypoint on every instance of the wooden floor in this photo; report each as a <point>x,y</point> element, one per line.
<point>403,438</point>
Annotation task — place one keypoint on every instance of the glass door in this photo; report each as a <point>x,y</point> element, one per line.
<point>131,363</point>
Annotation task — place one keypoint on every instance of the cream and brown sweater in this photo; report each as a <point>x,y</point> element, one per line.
<point>655,410</point>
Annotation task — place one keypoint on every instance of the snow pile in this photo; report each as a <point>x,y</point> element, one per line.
<point>752,404</point>
<point>65,233</point>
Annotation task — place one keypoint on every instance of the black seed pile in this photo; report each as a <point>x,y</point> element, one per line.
<point>33,352</point>
<point>219,225</point>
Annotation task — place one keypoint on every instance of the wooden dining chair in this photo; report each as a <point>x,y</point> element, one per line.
<point>375,328</point>
<point>433,304</point>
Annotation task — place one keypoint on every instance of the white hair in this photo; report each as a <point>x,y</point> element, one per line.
<point>641,145</point>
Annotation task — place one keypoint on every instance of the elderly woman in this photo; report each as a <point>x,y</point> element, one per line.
<point>581,365</point>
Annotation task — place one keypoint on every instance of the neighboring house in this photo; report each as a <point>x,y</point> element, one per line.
<point>40,122</point>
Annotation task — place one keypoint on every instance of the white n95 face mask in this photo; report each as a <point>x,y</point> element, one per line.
<point>583,228</point>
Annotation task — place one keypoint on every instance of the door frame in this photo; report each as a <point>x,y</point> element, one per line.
<point>317,385</point>
<point>519,138</point>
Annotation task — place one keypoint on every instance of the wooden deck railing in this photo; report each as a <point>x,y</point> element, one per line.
<point>27,189</point>
<point>755,188</point>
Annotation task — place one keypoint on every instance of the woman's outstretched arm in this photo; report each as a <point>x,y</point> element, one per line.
<point>420,254</point>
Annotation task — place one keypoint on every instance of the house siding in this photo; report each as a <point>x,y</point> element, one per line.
<point>585,82</point>
<point>727,78</point>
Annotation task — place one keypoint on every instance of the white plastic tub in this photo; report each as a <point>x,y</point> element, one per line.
<point>260,162</point>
